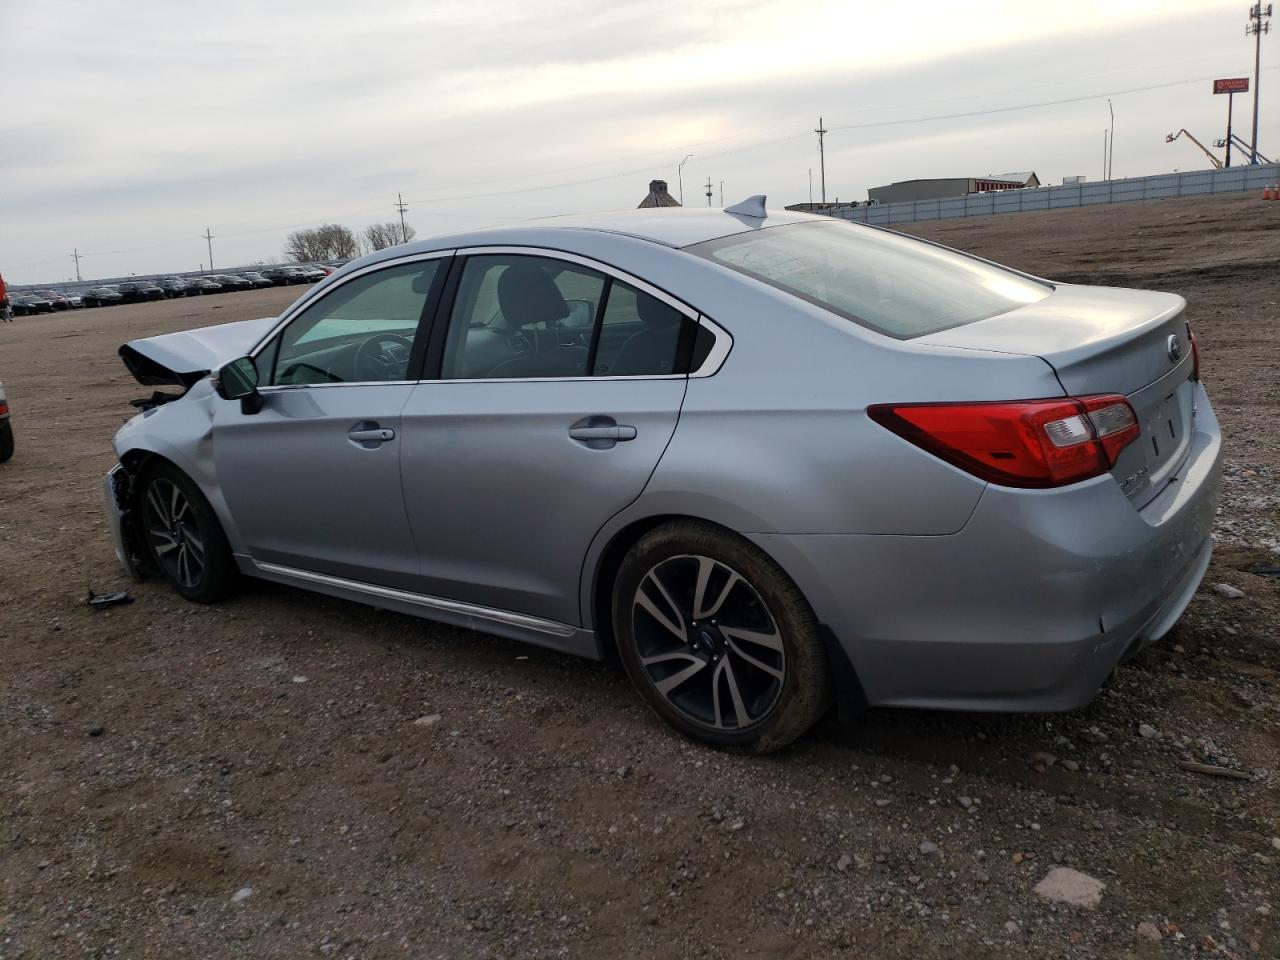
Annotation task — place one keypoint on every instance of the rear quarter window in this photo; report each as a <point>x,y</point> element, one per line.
<point>895,285</point>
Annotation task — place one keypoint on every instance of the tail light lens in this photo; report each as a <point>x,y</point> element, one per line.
<point>4,408</point>
<point>1024,443</point>
<point>1195,354</point>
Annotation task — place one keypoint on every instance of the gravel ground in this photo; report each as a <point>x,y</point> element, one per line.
<point>291,776</point>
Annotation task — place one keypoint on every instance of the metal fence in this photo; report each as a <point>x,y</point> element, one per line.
<point>1193,183</point>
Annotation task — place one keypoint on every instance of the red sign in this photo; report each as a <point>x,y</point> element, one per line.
<point>1232,85</point>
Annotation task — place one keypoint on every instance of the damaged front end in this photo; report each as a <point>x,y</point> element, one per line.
<point>117,495</point>
<point>177,433</point>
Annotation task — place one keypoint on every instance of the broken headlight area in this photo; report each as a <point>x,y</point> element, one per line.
<point>157,399</point>
<point>135,557</point>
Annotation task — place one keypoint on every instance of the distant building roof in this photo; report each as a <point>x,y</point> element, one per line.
<point>658,196</point>
<point>815,207</point>
<point>1027,177</point>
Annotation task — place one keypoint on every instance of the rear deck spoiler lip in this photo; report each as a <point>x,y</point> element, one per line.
<point>183,359</point>
<point>1072,322</point>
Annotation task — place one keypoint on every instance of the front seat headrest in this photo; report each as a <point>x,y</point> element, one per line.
<point>654,312</point>
<point>526,295</point>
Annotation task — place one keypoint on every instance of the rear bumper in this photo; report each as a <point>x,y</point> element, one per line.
<point>1031,605</point>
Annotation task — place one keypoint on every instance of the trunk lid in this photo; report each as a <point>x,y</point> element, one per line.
<point>1108,340</point>
<point>181,359</point>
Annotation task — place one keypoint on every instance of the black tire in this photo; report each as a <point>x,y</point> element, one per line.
<point>6,441</point>
<point>184,543</point>
<point>774,673</point>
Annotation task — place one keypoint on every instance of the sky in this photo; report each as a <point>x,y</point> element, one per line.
<point>128,129</point>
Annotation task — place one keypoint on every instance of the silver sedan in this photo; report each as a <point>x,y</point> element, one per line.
<point>773,462</point>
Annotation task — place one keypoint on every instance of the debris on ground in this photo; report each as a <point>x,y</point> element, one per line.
<point>102,601</point>
<point>1212,770</point>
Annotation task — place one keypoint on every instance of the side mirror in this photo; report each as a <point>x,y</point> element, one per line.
<point>238,380</point>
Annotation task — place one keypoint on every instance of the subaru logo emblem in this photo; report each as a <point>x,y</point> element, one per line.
<point>1175,348</point>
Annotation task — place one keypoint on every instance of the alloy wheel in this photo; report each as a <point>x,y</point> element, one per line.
<point>174,533</point>
<point>708,642</point>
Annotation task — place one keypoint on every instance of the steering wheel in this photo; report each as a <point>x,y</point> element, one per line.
<point>384,356</point>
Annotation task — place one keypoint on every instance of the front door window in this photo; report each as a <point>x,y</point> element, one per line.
<point>361,332</point>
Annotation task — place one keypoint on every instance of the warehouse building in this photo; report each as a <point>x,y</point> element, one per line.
<point>951,187</point>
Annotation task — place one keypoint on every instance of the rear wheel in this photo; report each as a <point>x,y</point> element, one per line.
<point>6,441</point>
<point>183,536</point>
<point>717,639</point>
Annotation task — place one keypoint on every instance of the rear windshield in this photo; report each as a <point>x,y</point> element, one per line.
<point>893,284</point>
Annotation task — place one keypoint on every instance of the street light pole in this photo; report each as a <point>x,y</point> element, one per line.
<point>680,176</point>
<point>1111,150</point>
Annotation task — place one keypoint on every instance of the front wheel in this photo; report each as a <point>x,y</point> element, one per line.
<point>718,640</point>
<point>184,538</point>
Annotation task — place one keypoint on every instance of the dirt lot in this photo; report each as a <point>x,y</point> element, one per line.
<point>249,780</point>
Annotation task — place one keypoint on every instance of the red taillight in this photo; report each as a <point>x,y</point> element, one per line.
<point>4,408</point>
<point>1195,354</point>
<point>1024,443</point>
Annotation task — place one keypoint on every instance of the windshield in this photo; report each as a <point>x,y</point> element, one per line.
<point>893,284</point>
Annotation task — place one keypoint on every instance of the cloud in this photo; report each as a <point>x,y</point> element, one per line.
<point>141,129</point>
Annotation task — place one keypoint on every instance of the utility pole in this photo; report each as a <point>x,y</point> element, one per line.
<point>822,158</point>
<point>1259,23</point>
<point>75,255</point>
<point>401,205</point>
<point>680,176</point>
<point>722,193</point>
<point>208,237</point>
<point>1111,151</point>
<point>708,191</point>
<point>1104,153</point>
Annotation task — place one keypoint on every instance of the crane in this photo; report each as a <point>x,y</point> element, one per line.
<point>1169,138</point>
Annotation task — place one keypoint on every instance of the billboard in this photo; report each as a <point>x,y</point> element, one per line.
<point>1231,85</point>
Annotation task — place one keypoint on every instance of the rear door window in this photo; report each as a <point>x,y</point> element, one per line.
<point>895,285</point>
<point>518,316</point>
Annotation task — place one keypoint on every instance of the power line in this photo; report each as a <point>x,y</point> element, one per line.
<point>873,124</point>
<point>989,111</point>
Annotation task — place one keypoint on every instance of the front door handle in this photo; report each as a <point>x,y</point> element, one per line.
<point>600,433</point>
<point>369,435</point>
<point>616,432</point>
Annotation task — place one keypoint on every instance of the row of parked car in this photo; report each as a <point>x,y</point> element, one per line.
<point>140,291</point>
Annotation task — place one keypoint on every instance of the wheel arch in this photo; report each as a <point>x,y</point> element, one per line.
<point>850,698</point>
<point>136,457</point>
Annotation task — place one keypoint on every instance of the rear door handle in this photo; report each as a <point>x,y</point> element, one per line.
<point>600,432</point>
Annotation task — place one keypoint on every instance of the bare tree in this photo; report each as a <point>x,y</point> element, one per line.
<point>379,236</point>
<point>329,241</point>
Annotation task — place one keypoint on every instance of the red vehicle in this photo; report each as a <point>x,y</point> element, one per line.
<point>5,312</point>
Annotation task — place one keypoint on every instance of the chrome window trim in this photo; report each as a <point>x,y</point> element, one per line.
<point>493,614</point>
<point>712,363</point>
<point>278,387</point>
<point>322,291</point>
<point>709,367</point>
